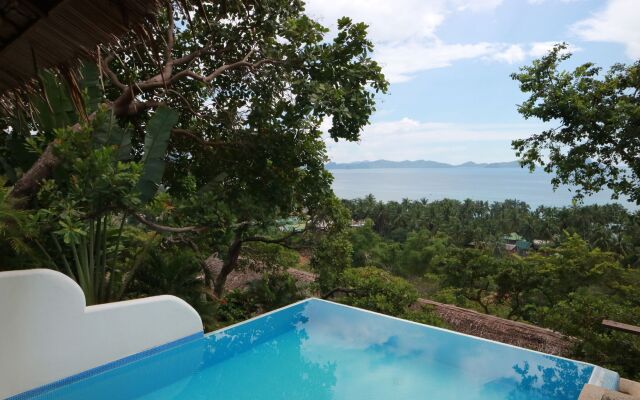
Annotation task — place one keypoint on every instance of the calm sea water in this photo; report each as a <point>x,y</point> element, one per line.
<point>487,184</point>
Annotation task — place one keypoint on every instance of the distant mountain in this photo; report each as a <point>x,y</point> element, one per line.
<point>418,164</point>
<point>387,164</point>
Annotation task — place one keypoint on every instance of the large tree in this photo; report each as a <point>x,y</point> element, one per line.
<point>243,87</point>
<point>596,139</point>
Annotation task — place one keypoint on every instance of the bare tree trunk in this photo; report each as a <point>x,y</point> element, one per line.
<point>229,265</point>
<point>27,186</point>
<point>29,183</point>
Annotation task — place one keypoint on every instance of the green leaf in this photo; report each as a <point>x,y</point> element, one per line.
<point>90,83</point>
<point>107,132</point>
<point>155,147</point>
<point>54,108</point>
<point>124,145</point>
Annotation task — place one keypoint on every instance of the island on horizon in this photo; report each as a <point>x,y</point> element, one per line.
<point>418,164</point>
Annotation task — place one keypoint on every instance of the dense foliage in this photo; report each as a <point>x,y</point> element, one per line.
<point>199,141</point>
<point>583,269</point>
<point>377,290</point>
<point>595,138</point>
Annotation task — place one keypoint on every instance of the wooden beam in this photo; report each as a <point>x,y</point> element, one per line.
<point>619,326</point>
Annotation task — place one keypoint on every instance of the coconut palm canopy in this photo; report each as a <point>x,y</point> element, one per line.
<point>52,33</point>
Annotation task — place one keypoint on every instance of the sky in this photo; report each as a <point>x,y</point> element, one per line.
<point>451,98</point>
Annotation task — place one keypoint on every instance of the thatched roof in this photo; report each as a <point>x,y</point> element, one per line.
<point>501,330</point>
<point>37,34</point>
<point>458,319</point>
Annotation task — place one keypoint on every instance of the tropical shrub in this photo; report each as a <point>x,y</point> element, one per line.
<point>273,290</point>
<point>330,259</point>
<point>175,271</point>
<point>376,290</point>
<point>580,315</point>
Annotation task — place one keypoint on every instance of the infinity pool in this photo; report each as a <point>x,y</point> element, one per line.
<point>319,350</point>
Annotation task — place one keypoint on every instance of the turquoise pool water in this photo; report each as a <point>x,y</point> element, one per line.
<point>317,350</point>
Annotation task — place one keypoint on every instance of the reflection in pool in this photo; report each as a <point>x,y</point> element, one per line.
<point>319,350</point>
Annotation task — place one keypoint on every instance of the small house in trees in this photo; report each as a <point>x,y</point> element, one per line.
<point>516,244</point>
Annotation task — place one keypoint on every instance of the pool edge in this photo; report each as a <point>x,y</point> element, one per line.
<point>31,393</point>
<point>604,378</point>
<point>246,321</point>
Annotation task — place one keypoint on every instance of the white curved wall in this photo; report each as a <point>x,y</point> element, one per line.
<point>47,333</point>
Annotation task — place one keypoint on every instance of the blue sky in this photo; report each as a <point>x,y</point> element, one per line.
<point>451,98</point>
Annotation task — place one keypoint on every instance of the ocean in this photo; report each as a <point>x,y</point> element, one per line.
<point>487,184</point>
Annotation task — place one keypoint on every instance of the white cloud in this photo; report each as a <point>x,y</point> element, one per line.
<point>396,20</point>
<point>402,61</point>
<point>544,1</point>
<point>408,139</point>
<point>511,54</point>
<point>388,20</point>
<point>539,49</point>
<point>405,33</point>
<point>476,5</point>
<point>618,22</point>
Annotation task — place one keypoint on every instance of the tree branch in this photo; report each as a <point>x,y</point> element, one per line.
<point>138,106</point>
<point>341,290</point>
<point>166,77</point>
<point>171,39</point>
<point>244,63</point>
<point>104,66</point>
<point>127,105</point>
<point>29,183</point>
<point>191,135</point>
<point>186,103</point>
<point>207,143</point>
<point>281,241</point>
<point>193,55</point>
<point>167,229</point>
